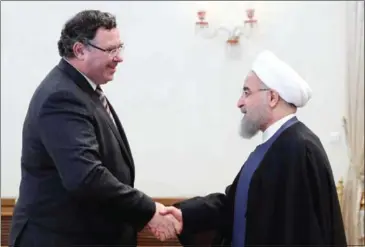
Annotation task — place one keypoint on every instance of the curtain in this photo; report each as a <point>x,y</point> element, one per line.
<point>354,123</point>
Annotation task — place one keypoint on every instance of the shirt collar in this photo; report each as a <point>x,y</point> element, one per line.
<point>92,84</point>
<point>271,130</point>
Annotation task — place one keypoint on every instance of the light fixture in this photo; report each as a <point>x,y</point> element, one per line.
<point>234,34</point>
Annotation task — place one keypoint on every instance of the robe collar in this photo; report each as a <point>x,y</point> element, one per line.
<point>271,130</point>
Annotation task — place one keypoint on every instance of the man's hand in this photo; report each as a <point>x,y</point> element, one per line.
<point>174,212</point>
<point>164,226</point>
<point>177,214</point>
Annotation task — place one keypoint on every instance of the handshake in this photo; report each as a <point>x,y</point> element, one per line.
<point>166,223</point>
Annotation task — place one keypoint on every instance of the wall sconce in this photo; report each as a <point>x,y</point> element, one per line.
<point>202,23</point>
<point>233,35</point>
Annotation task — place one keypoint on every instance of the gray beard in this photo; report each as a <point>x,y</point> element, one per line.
<point>252,121</point>
<point>249,128</point>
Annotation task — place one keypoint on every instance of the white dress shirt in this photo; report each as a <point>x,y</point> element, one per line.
<point>269,132</point>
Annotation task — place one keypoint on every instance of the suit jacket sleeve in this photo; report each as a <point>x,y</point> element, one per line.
<point>67,132</point>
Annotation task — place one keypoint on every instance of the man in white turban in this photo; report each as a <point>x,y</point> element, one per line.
<point>284,194</point>
<point>271,75</point>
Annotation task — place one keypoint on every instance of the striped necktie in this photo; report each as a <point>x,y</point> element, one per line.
<point>104,101</point>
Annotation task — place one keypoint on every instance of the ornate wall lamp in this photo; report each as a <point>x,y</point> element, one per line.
<point>203,27</point>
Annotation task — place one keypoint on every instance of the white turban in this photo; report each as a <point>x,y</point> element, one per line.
<point>280,77</point>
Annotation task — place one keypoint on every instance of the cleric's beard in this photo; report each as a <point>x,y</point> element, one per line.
<point>248,128</point>
<point>252,121</point>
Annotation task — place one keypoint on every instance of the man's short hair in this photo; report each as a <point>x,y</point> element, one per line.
<point>83,27</point>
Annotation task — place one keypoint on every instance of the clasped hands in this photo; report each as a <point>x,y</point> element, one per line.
<point>166,223</point>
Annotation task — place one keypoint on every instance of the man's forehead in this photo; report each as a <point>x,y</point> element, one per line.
<point>251,81</point>
<point>108,37</point>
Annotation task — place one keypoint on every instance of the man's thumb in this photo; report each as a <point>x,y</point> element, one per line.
<point>166,210</point>
<point>171,210</point>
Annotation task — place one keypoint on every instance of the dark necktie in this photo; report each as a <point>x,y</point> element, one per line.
<point>104,101</point>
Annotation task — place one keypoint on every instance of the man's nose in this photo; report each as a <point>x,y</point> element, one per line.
<point>118,58</point>
<point>241,102</point>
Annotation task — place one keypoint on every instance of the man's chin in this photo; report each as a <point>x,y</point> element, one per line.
<point>107,79</point>
<point>246,136</point>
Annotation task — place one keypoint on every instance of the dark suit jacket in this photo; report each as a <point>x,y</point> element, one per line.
<point>77,169</point>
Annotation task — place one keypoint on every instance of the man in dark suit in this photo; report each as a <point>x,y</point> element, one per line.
<point>77,186</point>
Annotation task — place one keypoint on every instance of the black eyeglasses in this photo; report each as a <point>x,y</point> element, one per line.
<point>111,52</point>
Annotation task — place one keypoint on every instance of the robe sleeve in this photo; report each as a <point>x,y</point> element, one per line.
<point>204,213</point>
<point>294,200</point>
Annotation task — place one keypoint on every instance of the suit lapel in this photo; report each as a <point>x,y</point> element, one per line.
<point>81,81</point>
<point>123,136</point>
<point>119,133</point>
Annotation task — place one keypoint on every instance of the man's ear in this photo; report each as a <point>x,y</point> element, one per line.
<point>274,98</point>
<point>79,50</point>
